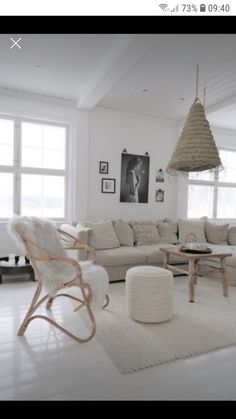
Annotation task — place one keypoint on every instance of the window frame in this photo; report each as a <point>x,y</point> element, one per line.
<point>216,184</point>
<point>17,169</point>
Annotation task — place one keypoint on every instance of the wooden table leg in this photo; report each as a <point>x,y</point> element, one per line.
<point>224,276</point>
<point>196,271</point>
<point>192,278</point>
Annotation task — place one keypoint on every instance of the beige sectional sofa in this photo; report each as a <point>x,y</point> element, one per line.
<point>120,245</point>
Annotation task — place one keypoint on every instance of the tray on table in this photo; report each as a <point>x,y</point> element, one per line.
<point>187,249</point>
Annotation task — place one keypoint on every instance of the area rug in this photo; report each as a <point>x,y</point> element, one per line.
<point>203,326</point>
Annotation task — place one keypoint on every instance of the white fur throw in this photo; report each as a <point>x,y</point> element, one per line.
<point>55,274</point>
<point>97,277</point>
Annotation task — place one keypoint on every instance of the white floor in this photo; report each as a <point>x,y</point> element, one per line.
<point>47,365</point>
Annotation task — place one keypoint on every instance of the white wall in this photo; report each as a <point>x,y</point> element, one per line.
<point>110,132</point>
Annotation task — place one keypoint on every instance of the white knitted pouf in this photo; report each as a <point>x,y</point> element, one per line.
<point>149,294</point>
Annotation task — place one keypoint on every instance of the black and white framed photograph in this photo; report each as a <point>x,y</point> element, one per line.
<point>160,175</point>
<point>108,185</point>
<point>103,167</point>
<point>159,195</point>
<point>134,181</point>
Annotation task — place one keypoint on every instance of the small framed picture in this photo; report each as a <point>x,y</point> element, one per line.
<point>159,175</point>
<point>103,167</point>
<point>108,185</point>
<point>160,195</point>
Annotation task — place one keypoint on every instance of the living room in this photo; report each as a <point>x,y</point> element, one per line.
<point>91,101</point>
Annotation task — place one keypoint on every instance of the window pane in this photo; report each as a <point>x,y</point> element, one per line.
<point>226,205</point>
<point>42,196</point>
<point>6,142</point>
<point>228,159</point>
<point>43,146</point>
<point>6,195</point>
<point>200,201</point>
<point>206,175</point>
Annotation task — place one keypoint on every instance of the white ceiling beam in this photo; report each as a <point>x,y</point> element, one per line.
<point>221,104</point>
<point>125,54</point>
<point>20,94</point>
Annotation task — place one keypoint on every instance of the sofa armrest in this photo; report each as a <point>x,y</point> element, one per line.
<point>80,233</point>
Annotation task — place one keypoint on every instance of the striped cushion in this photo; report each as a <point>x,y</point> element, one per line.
<point>102,235</point>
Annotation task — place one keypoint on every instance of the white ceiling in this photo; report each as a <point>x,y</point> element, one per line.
<point>148,74</point>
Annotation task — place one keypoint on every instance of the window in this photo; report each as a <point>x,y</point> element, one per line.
<point>33,169</point>
<point>214,194</point>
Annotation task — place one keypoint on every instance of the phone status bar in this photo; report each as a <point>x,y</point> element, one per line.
<point>117,8</point>
<point>191,8</point>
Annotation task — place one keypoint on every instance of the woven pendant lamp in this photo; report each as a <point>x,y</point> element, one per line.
<point>196,150</point>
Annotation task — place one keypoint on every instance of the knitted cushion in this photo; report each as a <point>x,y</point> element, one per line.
<point>168,231</point>
<point>145,232</point>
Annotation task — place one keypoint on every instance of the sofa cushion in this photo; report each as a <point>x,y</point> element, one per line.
<point>216,233</point>
<point>145,232</point>
<point>191,230</point>
<point>78,231</point>
<point>102,235</point>
<point>168,231</point>
<point>154,255</point>
<point>169,220</point>
<point>220,248</point>
<point>81,233</point>
<point>231,235</point>
<point>124,233</point>
<point>231,260</point>
<point>124,255</point>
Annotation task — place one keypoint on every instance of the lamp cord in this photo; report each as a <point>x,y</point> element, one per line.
<point>197,84</point>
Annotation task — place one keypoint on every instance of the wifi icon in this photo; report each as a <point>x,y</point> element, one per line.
<point>163,7</point>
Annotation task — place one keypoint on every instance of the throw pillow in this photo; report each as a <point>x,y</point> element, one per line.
<point>102,235</point>
<point>168,232</point>
<point>124,233</point>
<point>231,235</point>
<point>169,220</point>
<point>145,232</point>
<point>191,229</point>
<point>216,233</point>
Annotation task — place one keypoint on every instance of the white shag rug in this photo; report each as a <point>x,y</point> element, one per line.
<point>199,327</point>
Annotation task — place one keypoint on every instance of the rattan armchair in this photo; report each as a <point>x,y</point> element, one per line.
<point>44,245</point>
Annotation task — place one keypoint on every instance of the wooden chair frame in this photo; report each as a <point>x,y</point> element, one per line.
<point>36,253</point>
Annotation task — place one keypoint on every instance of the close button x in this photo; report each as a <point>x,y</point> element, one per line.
<point>16,43</point>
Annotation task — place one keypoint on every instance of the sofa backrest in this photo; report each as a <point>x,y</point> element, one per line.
<point>107,234</point>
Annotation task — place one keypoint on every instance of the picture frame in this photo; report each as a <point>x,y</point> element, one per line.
<point>104,167</point>
<point>160,176</point>
<point>134,178</point>
<point>159,195</point>
<point>108,185</point>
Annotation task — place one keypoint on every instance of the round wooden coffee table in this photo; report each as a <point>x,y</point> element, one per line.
<point>16,269</point>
